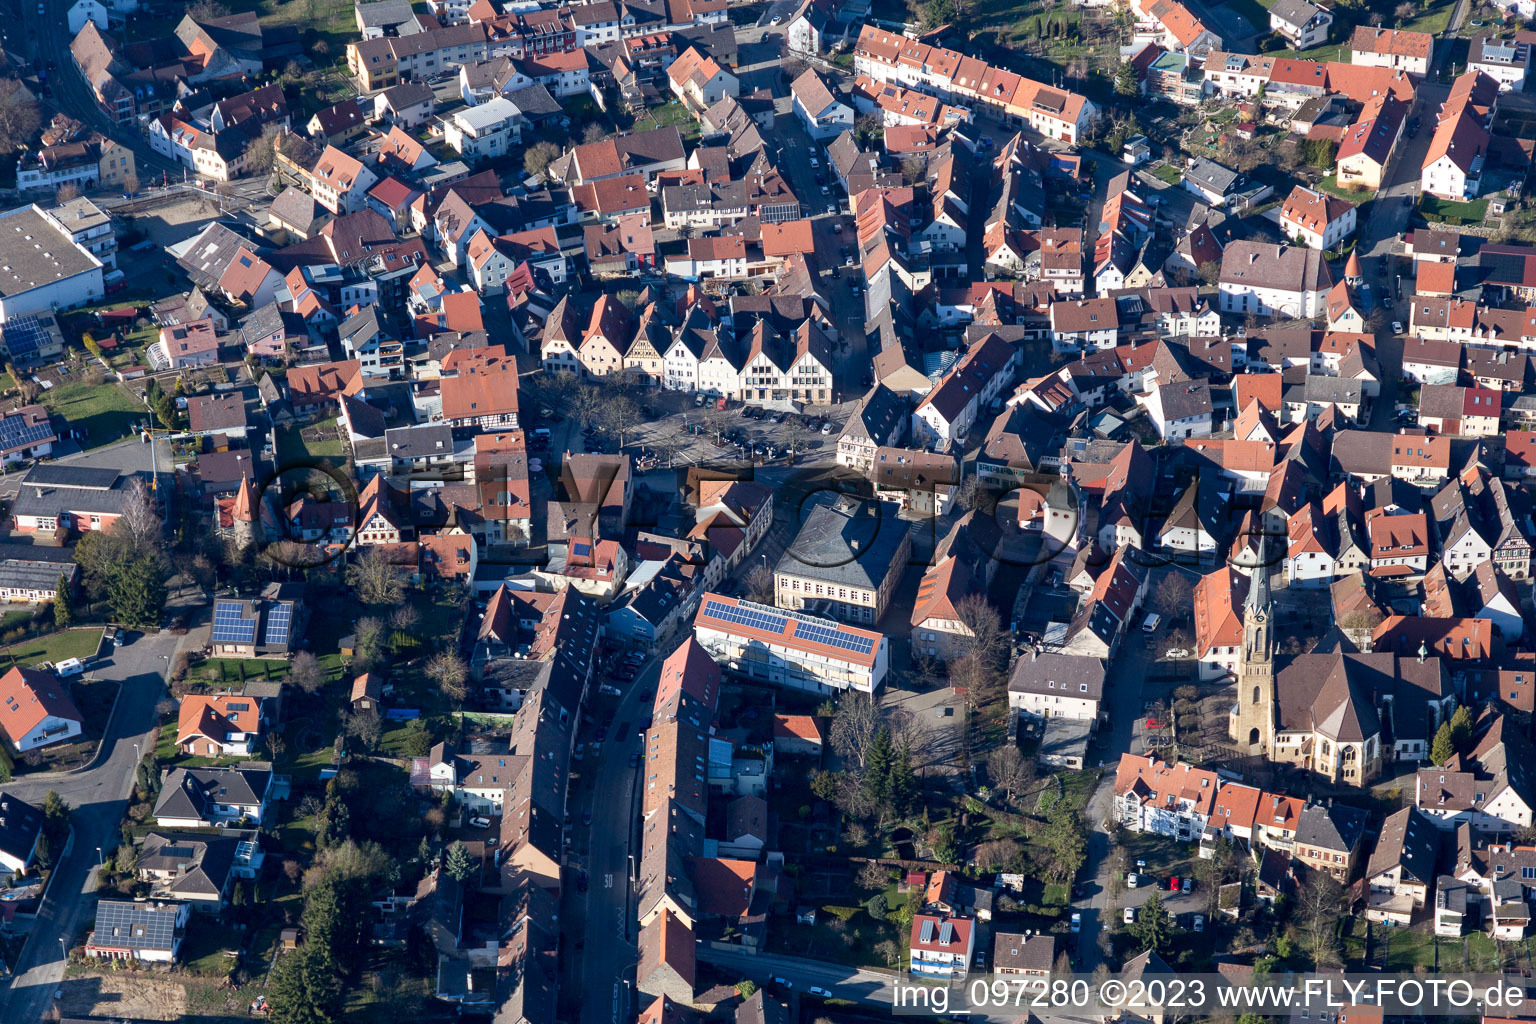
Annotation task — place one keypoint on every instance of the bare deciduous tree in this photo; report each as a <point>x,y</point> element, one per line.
<point>854,727</point>
<point>365,727</point>
<point>449,672</point>
<point>305,672</point>
<point>759,584</point>
<point>261,151</point>
<point>404,617</point>
<point>140,520</point>
<point>986,638</point>
<point>998,855</point>
<point>19,116</point>
<point>1317,908</point>
<point>1009,771</point>
<point>376,579</point>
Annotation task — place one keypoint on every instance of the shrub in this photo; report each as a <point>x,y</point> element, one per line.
<point>842,913</point>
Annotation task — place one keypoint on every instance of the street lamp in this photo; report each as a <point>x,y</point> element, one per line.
<point>99,859</point>
<point>63,948</point>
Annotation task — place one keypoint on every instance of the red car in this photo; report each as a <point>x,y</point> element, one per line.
<point>1173,884</point>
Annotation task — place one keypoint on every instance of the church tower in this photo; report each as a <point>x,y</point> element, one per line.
<point>1253,717</point>
<point>245,513</point>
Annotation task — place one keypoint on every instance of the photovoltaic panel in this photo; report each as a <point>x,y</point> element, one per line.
<point>134,925</point>
<point>834,637</point>
<point>16,433</point>
<point>230,624</point>
<point>746,616</point>
<point>278,621</point>
<point>24,335</point>
<point>773,622</point>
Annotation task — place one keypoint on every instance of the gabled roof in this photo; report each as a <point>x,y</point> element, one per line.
<point>28,696</point>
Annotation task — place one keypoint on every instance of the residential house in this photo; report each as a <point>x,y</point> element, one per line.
<point>1303,23</point>
<point>209,797</point>
<point>36,709</point>
<point>820,111</point>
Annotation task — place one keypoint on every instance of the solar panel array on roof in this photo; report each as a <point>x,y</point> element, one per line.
<point>136,925</point>
<point>745,615</point>
<point>230,624</point>
<point>834,637</point>
<point>16,432</point>
<point>927,934</point>
<point>278,621</point>
<point>947,933</point>
<point>178,852</point>
<point>760,617</point>
<point>24,335</point>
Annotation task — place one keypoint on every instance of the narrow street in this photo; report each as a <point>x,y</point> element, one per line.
<point>99,796</point>
<point>70,93</point>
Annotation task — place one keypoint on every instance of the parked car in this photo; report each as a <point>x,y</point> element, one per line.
<point>817,991</point>
<point>784,982</point>
<point>1130,915</point>
<point>1132,880</point>
<point>1173,884</point>
<point>1186,884</point>
<point>1077,921</point>
<point>1199,923</point>
<point>69,668</point>
<point>480,822</point>
<point>1397,327</point>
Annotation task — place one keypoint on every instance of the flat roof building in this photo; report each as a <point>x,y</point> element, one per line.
<point>41,267</point>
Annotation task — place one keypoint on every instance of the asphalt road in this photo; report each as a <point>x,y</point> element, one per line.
<point>607,787</point>
<point>99,795</point>
<point>68,91</point>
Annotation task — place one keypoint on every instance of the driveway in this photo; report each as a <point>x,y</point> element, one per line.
<point>99,795</point>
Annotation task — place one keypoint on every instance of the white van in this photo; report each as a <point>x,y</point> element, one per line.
<point>1153,620</point>
<point>69,667</point>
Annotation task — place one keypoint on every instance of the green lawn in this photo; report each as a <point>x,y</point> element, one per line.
<point>55,647</point>
<point>292,445</point>
<point>206,948</point>
<point>1454,213</point>
<point>1255,12</point>
<point>673,113</point>
<point>106,412</point>
<point>330,20</point>
<point>1331,185</point>
<point>1170,173</point>
<point>238,670</point>
<point>1332,52</point>
<point>1434,18</point>
<point>1407,949</point>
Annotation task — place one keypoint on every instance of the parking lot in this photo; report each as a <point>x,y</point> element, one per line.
<point>681,428</point>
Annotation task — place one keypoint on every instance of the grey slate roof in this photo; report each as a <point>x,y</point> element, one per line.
<point>1058,674</point>
<point>420,442</point>
<point>50,489</point>
<point>850,543</point>
<point>201,863</point>
<point>1212,176</point>
<point>20,825</point>
<point>1294,12</point>
<point>1332,826</point>
<point>187,792</point>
